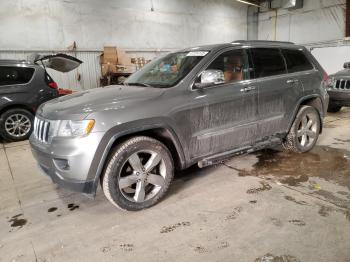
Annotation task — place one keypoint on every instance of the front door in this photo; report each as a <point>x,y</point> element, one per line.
<point>227,117</point>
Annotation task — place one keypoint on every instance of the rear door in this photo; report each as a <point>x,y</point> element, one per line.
<point>278,91</point>
<point>59,62</point>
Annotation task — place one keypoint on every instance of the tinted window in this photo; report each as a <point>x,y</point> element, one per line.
<point>296,61</point>
<point>268,62</point>
<point>234,64</point>
<point>15,75</point>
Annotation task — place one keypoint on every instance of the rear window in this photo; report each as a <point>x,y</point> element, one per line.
<point>296,61</point>
<point>268,62</point>
<point>15,75</point>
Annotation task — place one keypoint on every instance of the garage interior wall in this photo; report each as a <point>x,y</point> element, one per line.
<point>143,28</point>
<point>319,25</point>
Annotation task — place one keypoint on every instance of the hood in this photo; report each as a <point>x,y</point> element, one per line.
<point>59,62</point>
<point>81,104</point>
<point>342,73</point>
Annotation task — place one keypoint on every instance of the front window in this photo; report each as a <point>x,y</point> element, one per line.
<point>166,71</point>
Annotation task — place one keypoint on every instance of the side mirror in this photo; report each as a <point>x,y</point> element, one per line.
<point>347,65</point>
<point>210,77</point>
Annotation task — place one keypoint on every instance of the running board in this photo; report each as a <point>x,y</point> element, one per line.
<point>218,158</point>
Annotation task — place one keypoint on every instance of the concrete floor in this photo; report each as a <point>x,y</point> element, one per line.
<point>267,206</point>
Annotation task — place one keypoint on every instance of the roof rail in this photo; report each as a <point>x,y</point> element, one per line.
<point>13,61</point>
<point>263,42</point>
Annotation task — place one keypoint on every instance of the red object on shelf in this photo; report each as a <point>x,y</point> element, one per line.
<point>63,92</point>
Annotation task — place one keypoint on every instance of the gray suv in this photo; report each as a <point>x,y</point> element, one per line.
<point>198,105</point>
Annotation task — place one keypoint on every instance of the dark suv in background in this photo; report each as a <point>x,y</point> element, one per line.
<point>24,86</point>
<point>198,105</point>
<point>339,89</point>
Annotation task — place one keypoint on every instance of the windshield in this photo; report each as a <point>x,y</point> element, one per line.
<point>166,71</point>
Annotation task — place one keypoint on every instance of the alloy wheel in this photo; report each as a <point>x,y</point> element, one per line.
<point>307,131</point>
<point>142,176</point>
<point>18,125</point>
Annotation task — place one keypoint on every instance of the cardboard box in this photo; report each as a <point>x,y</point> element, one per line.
<point>123,58</point>
<point>114,55</point>
<point>109,55</point>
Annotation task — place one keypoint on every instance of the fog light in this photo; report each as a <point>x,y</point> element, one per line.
<point>62,164</point>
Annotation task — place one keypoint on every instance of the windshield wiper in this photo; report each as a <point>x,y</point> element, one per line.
<point>138,84</point>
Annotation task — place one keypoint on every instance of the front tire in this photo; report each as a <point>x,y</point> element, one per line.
<point>16,124</point>
<point>138,173</point>
<point>304,132</point>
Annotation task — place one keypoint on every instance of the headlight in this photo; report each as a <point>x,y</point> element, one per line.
<point>70,128</point>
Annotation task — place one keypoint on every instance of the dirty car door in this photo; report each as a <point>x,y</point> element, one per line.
<point>275,90</point>
<point>228,117</point>
<point>59,62</point>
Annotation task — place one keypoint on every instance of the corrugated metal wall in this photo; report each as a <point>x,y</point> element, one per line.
<point>87,76</point>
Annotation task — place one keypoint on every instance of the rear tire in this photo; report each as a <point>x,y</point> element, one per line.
<point>304,132</point>
<point>333,109</point>
<point>16,124</point>
<point>138,173</point>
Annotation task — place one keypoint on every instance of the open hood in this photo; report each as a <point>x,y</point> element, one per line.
<point>59,62</point>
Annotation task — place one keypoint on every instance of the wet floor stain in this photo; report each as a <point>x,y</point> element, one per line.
<point>106,249</point>
<point>52,209</point>
<point>297,222</point>
<point>200,249</point>
<point>18,222</point>
<point>292,199</point>
<point>72,206</point>
<point>223,245</point>
<point>264,187</point>
<point>168,229</point>
<point>126,247</point>
<point>273,258</point>
<point>277,222</point>
<point>294,169</point>
<point>325,211</point>
<point>234,214</point>
<point>342,140</point>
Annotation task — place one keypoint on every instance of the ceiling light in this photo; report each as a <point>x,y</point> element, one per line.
<point>247,3</point>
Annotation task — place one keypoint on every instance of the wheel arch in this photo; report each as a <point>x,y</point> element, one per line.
<point>15,106</point>
<point>316,102</point>
<point>112,138</point>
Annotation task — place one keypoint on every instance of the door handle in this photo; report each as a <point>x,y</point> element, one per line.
<point>292,81</point>
<point>247,89</point>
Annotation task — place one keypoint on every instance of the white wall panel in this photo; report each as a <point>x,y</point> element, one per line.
<point>332,58</point>
<point>317,21</point>
<point>55,24</point>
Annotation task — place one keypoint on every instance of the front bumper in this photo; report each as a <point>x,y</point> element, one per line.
<point>339,98</point>
<point>67,161</point>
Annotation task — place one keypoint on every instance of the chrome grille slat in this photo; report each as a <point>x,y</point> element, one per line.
<point>41,129</point>
<point>342,84</point>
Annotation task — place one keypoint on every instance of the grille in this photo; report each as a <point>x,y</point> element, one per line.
<point>41,129</point>
<point>342,84</point>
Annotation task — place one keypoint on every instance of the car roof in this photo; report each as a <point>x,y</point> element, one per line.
<point>15,62</point>
<point>238,43</point>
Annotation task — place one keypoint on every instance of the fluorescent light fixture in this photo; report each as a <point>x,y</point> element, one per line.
<point>247,3</point>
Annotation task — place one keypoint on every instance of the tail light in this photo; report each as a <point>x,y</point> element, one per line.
<point>325,77</point>
<point>326,81</point>
<point>53,85</point>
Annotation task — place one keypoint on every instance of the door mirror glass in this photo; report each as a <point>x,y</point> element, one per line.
<point>210,77</point>
<point>347,65</point>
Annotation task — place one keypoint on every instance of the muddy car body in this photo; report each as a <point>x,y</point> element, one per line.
<point>216,101</point>
<point>339,90</point>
